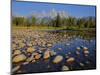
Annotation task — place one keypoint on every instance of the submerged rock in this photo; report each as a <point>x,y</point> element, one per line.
<point>25,63</point>
<point>78,48</point>
<point>29,59</point>
<point>16,68</point>
<point>52,53</point>
<point>87,62</point>
<point>68,44</point>
<point>67,56</point>
<point>70,60</point>
<point>81,64</point>
<point>77,52</point>
<point>85,48</point>
<point>65,68</point>
<point>59,48</point>
<point>86,52</point>
<point>19,58</point>
<point>58,59</point>
<point>69,53</point>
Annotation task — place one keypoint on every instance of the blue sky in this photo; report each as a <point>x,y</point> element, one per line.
<point>26,8</point>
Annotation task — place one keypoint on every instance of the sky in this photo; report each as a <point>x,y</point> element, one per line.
<point>27,8</point>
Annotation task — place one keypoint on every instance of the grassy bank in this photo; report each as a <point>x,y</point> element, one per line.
<point>51,28</point>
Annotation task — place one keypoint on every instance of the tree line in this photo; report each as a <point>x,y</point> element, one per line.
<point>68,22</point>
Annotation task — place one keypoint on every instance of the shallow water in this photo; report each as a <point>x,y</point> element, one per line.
<point>67,47</point>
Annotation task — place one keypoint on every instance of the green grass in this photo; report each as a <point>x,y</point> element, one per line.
<point>38,27</point>
<point>51,28</point>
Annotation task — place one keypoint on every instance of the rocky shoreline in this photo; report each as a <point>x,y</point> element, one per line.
<point>29,47</point>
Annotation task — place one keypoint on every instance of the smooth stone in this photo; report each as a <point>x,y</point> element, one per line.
<point>19,71</point>
<point>48,66</point>
<point>85,48</point>
<point>25,63</point>
<point>16,68</point>
<point>14,46</point>
<point>78,48</point>
<point>42,49</point>
<point>86,55</point>
<point>70,60</point>
<point>67,56</point>
<point>21,45</point>
<point>77,52</point>
<point>81,64</point>
<point>65,68</point>
<point>59,48</point>
<point>69,53</point>
<point>87,62</point>
<point>29,59</point>
<point>58,59</point>
<point>33,61</point>
<point>68,44</point>
<point>86,52</point>
<point>16,52</point>
<point>30,49</point>
<point>38,56</point>
<point>52,53</point>
<point>46,55</point>
<point>19,58</point>
<point>49,45</point>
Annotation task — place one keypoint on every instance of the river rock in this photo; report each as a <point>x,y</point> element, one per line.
<point>67,56</point>
<point>14,46</point>
<point>33,61</point>
<point>38,56</point>
<point>42,49</point>
<point>85,48</point>
<point>21,45</point>
<point>58,59</point>
<point>86,52</point>
<point>87,62</point>
<point>30,49</point>
<point>16,52</point>
<point>81,64</point>
<point>65,68</point>
<point>46,55</point>
<point>59,48</point>
<point>69,53</point>
<point>25,63</point>
<point>77,52</point>
<point>52,53</point>
<point>68,44</point>
<point>29,44</point>
<point>29,59</point>
<point>49,45</point>
<point>19,58</point>
<point>78,48</point>
<point>16,68</point>
<point>70,60</point>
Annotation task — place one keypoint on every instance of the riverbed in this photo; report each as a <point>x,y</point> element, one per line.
<point>53,51</point>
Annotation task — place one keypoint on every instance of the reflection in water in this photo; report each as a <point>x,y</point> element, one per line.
<point>78,49</point>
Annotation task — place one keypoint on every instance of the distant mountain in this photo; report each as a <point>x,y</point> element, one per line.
<point>49,15</point>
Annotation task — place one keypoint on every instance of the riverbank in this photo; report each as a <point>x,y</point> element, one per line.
<point>45,28</point>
